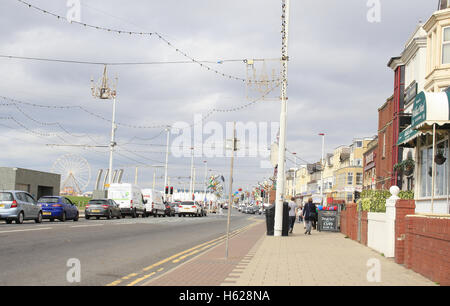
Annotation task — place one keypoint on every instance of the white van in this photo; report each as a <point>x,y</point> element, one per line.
<point>155,202</point>
<point>129,198</point>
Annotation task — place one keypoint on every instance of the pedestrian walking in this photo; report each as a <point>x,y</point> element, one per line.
<point>292,214</point>
<point>300,214</point>
<point>309,214</point>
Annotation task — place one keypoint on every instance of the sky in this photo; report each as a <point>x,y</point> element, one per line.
<point>338,78</point>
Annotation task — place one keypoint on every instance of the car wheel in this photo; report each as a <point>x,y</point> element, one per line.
<point>39,218</point>
<point>154,214</point>
<point>133,215</point>
<point>9,221</point>
<point>87,217</point>
<point>77,217</point>
<point>144,214</point>
<point>179,215</point>
<point>109,215</point>
<point>64,217</point>
<point>20,218</point>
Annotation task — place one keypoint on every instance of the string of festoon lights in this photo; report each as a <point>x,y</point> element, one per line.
<point>152,34</point>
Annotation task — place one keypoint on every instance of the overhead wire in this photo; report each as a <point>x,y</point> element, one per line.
<point>149,34</point>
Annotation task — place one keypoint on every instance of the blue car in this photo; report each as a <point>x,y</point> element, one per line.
<point>60,208</point>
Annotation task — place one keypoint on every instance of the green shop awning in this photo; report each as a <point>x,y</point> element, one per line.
<point>407,135</point>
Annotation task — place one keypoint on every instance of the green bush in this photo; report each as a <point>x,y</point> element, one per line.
<point>375,200</point>
<point>79,201</point>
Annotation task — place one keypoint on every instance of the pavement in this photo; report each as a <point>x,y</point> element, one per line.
<point>320,259</point>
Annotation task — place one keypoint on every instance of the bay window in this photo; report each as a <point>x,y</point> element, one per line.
<point>446,46</point>
<point>426,165</point>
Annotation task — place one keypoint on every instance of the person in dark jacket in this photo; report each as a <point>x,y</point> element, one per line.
<point>309,214</point>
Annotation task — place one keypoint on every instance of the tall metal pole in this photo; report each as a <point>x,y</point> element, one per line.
<point>323,167</point>
<point>192,172</point>
<point>206,177</point>
<point>193,185</point>
<point>113,142</point>
<point>154,179</point>
<point>295,174</point>
<point>167,162</point>
<point>280,194</point>
<point>230,199</point>
<point>136,176</point>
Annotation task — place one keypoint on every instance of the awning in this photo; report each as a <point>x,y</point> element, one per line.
<point>407,135</point>
<point>430,108</point>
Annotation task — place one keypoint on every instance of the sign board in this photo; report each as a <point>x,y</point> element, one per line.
<point>328,221</point>
<point>411,92</point>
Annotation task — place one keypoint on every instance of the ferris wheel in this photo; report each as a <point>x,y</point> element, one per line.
<point>75,173</point>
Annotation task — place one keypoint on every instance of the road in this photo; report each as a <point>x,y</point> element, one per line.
<point>110,252</point>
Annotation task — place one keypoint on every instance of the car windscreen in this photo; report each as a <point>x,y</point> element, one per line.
<point>48,200</point>
<point>187,203</point>
<point>98,202</point>
<point>6,196</point>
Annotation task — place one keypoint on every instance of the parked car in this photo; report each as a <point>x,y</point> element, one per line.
<point>60,208</point>
<point>129,198</point>
<point>189,208</point>
<point>19,206</point>
<point>102,208</point>
<point>170,209</point>
<point>154,203</point>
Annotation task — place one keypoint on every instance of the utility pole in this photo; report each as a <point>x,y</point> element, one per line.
<point>280,195</point>
<point>230,191</point>
<point>192,173</point>
<point>206,183</point>
<point>104,92</point>
<point>323,167</point>
<point>295,174</point>
<point>167,161</point>
<point>193,186</point>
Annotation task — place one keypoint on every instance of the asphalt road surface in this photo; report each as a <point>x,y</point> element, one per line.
<point>108,252</point>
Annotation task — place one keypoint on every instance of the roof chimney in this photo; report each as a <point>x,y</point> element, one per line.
<point>444,4</point>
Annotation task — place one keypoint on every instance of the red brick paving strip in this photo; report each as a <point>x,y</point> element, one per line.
<point>211,268</point>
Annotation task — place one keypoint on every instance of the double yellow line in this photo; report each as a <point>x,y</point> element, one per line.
<point>176,258</point>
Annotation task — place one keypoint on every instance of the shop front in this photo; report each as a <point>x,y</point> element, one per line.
<point>429,134</point>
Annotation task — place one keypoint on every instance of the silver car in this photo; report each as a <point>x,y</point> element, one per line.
<point>19,206</point>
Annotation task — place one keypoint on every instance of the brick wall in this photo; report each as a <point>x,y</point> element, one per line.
<point>364,228</point>
<point>427,247</point>
<point>403,208</point>
<point>349,221</point>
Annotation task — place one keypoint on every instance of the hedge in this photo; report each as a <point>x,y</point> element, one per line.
<point>375,200</point>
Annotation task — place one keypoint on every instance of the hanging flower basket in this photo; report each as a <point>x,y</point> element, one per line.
<point>440,158</point>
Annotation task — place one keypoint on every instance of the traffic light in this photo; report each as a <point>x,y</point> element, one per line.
<point>167,190</point>
<point>171,190</point>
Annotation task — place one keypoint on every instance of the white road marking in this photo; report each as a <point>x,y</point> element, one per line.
<point>26,230</point>
<point>92,225</point>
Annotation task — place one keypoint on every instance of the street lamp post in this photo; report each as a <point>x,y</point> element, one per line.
<point>280,195</point>
<point>104,92</point>
<point>167,162</point>
<point>323,167</point>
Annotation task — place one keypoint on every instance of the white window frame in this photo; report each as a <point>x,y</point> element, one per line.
<point>445,43</point>
<point>427,185</point>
